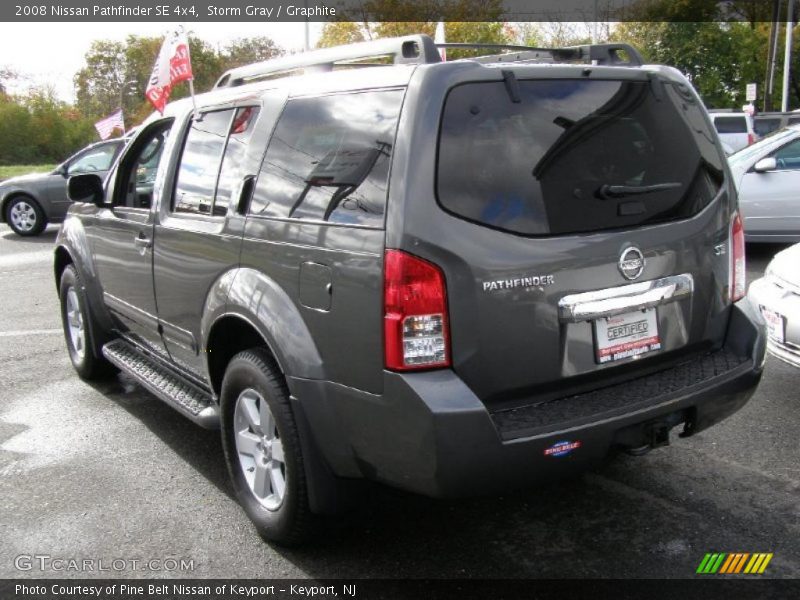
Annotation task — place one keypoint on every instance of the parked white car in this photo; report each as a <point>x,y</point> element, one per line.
<point>777,294</point>
<point>734,128</point>
<point>767,177</point>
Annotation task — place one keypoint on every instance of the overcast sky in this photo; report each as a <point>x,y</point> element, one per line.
<point>51,53</point>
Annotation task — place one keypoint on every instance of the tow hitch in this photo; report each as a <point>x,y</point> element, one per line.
<point>640,439</point>
<point>656,434</point>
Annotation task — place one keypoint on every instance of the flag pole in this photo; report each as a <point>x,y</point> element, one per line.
<point>191,79</point>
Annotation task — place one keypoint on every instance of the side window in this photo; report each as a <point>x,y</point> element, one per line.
<point>788,156</point>
<point>137,171</point>
<point>329,159</point>
<point>765,126</point>
<point>730,124</point>
<point>230,172</point>
<point>96,159</point>
<point>199,163</point>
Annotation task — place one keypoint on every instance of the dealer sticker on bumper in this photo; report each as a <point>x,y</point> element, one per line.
<point>623,336</point>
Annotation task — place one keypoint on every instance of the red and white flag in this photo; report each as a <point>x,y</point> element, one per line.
<point>438,38</point>
<point>173,65</point>
<point>105,127</point>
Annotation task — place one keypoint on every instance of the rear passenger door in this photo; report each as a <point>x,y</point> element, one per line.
<point>197,238</point>
<point>316,223</point>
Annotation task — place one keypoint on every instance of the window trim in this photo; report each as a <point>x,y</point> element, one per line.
<point>187,126</point>
<point>127,149</point>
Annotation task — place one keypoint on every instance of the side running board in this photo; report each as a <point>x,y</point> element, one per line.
<point>188,399</point>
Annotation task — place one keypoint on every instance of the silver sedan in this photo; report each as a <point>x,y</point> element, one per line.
<point>767,177</point>
<point>777,294</point>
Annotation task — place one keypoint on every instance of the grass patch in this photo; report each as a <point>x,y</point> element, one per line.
<point>7,171</point>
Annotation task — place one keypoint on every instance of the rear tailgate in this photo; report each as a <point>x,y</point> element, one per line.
<point>559,192</point>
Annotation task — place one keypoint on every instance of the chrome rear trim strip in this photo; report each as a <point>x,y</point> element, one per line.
<point>596,304</point>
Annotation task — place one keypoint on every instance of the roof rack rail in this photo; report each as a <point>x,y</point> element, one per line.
<point>421,49</point>
<point>596,54</point>
<point>410,49</point>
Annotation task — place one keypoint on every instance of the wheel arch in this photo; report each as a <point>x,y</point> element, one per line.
<point>72,247</point>
<point>61,259</point>
<point>245,308</point>
<point>229,335</point>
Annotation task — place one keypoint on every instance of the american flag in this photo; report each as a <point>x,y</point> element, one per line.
<point>105,127</point>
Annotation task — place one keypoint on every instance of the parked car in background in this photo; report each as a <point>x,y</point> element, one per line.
<point>767,176</point>
<point>29,202</point>
<point>766,123</point>
<point>734,128</point>
<point>777,295</point>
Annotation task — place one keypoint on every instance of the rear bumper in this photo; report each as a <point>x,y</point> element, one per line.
<point>428,433</point>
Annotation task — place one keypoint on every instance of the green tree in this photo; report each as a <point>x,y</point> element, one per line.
<point>466,21</point>
<point>248,50</point>
<point>719,58</point>
<point>117,73</point>
<point>16,133</point>
<point>338,33</point>
<point>720,46</point>
<point>6,75</point>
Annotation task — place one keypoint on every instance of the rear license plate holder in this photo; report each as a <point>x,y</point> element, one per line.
<point>628,335</point>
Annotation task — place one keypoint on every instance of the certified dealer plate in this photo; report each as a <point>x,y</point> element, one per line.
<point>626,335</point>
<point>776,324</point>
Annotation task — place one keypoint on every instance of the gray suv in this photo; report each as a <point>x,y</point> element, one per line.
<point>453,278</point>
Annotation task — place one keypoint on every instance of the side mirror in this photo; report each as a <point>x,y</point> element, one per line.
<point>765,164</point>
<point>86,188</point>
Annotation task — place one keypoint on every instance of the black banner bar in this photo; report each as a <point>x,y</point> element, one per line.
<point>192,11</point>
<point>730,588</point>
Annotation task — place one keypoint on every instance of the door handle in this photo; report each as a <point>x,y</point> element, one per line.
<point>142,242</point>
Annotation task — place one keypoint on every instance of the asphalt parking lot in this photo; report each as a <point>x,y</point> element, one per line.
<point>108,472</point>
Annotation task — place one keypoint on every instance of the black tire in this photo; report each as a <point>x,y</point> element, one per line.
<point>291,522</point>
<point>89,365</point>
<point>35,220</point>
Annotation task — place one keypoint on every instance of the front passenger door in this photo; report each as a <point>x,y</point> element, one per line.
<point>122,239</point>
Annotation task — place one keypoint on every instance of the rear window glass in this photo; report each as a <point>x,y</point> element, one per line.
<point>574,155</point>
<point>730,124</point>
<point>765,126</point>
<point>329,159</point>
<point>793,120</point>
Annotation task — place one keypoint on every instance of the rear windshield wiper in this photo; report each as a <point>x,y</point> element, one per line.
<point>606,191</point>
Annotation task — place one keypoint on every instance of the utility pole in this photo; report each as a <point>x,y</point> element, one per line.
<point>306,40</point>
<point>787,57</point>
<point>771,52</point>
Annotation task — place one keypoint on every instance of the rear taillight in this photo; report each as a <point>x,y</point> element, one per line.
<point>737,274</point>
<point>415,313</point>
<point>751,138</point>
